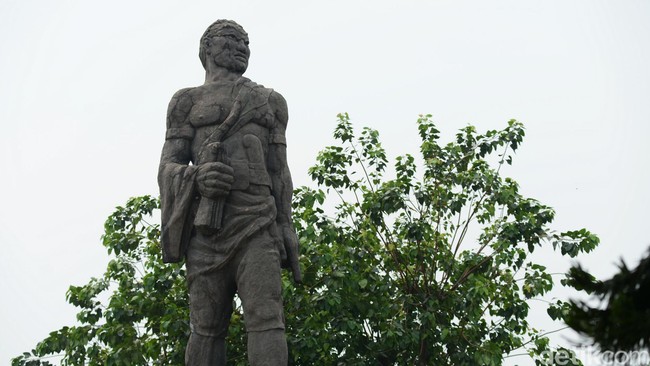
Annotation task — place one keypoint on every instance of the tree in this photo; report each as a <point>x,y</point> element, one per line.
<point>393,273</point>
<point>623,323</point>
<point>144,318</point>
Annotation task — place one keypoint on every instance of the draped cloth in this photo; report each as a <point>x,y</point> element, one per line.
<point>177,201</point>
<point>246,216</point>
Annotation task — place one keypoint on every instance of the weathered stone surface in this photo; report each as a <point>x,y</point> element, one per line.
<point>226,201</point>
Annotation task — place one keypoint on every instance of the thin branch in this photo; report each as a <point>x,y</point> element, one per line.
<point>542,335</point>
<point>359,161</point>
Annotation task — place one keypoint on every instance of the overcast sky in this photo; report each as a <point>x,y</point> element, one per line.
<point>84,87</point>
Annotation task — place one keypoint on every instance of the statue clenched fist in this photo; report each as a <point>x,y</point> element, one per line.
<point>214,179</point>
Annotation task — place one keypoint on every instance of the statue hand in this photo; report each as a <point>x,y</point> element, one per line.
<point>291,245</point>
<point>213,180</point>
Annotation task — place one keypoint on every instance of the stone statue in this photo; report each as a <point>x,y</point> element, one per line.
<point>226,201</point>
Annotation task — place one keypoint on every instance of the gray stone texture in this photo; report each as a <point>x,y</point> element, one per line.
<point>226,201</point>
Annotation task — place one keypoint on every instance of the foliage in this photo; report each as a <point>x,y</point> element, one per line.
<point>393,277</point>
<point>429,267</point>
<point>143,321</point>
<point>623,324</point>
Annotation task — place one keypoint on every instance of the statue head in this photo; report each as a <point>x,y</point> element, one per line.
<point>225,44</point>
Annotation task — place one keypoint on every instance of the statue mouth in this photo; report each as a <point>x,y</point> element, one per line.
<point>240,57</point>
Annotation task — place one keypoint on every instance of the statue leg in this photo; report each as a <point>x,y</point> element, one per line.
<point>259,284</point>
<point>205,350</point>
<point>267,348</point>
<point>211,303</point>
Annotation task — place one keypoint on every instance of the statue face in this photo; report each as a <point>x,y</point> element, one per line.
<point>229,49</point>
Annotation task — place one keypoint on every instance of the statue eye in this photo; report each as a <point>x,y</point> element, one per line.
<point>235,38</point>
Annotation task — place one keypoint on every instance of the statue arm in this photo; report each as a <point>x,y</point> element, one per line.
<point>176,178</point>
<point>179,133</point>
<point>281,182</point>
<point>278,167</point>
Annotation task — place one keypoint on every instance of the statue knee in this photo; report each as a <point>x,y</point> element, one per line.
<point>263,316</point>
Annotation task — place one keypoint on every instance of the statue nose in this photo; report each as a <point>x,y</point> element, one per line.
<point>241,46</point>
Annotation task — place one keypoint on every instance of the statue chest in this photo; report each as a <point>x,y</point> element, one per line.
<point>210,109</point>
<point>234,145</point>
<point>211,106</point>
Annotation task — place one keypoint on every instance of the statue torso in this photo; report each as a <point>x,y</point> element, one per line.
<point>247,148</point>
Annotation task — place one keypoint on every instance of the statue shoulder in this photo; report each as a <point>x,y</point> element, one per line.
<point>182,99</point>
<point>180,106</point>
<point>279,106</point>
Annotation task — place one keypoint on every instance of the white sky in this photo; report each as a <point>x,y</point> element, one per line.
<point>84,87</point>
